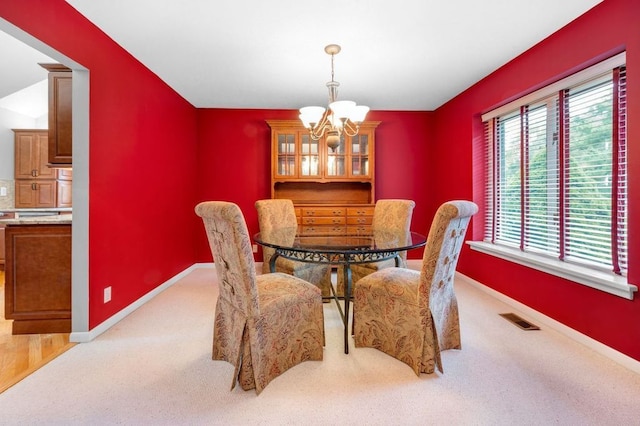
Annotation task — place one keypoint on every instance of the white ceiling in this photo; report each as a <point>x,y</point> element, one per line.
<point>23,83</point>
<point>396,55</point>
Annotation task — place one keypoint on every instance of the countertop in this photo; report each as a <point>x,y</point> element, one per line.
<point>42,210</point>
<point>63,219</point>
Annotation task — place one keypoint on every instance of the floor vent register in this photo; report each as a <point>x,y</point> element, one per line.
<point>519,322</point>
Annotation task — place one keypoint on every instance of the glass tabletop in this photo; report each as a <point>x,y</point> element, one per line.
<point>378,241</point>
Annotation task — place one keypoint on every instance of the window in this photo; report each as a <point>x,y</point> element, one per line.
<point>556,174</point>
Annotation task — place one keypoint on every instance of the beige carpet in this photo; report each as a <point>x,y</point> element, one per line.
<point>155,367</point>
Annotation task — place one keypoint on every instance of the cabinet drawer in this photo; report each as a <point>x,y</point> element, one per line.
<point>359,220</point>
<point>324,230</point>
<point>323,211</point>
<point>359,230</point>
<point>335,220</point>
<point>360,211</point>
<point>65,174</point>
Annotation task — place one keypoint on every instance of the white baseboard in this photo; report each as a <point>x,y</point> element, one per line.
<point>82,337</point>
<point>602,349</point>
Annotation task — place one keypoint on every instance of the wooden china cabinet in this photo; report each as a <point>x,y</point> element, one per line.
<point>333,190</point>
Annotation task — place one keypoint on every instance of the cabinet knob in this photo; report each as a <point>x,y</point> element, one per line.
<point>34,186</point>
<point>34,173</point>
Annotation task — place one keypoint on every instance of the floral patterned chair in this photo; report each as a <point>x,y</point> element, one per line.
<point>278,213</point>
<point>264,324</point>
<point>413,315</point>
<point>390,216</point>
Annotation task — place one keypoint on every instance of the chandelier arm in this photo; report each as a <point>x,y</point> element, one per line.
<point>318,131</point>
<point>350,128</point>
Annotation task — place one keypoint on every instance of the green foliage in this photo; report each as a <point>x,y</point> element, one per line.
<point>588,150</point>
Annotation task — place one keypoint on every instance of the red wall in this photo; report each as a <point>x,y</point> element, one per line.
<point>234,157</point>
<point>609,28</point>
<point>142,160</point>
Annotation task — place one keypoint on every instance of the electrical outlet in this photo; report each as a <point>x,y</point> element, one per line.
<point>107,294</point>
<point>3,191</point>
<point>255,248</point>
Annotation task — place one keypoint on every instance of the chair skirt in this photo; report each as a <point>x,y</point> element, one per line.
<point>288,331</point>
<point>387,317</point>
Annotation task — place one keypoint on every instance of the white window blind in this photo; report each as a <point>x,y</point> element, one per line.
<point>556,171</point>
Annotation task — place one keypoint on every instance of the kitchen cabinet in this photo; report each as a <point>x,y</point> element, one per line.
<point>36,183</point>
<point>334,189</point>
<point>35,193</point>
<point>31,154</point>
<point>2,227</point>
<point>2,255</point>
<point>38,278</point>
<point>63,188</point>
<point>60,114</point>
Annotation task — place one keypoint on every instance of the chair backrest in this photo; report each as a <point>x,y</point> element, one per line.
<point>231,249</point>
<point>394,216</point>
<point>274,213</point>
<point>444,243</point>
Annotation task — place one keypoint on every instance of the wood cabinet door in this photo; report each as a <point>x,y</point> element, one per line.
<point>25,194</point>
<point>64,193</point>
<point>336,160</point>
<point>38,278</point>
<point>285,154</point>
<point>31,155</point>
<point>60,124</point>
<point>360,155</point>
<point>65,174</point>
<point>35,193</point>
<point>311,160</point>
<point>25,166</point>
<point>2,246</point>
<point>46,193</point>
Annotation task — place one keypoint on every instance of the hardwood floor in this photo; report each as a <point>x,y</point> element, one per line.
<point>21,355</point>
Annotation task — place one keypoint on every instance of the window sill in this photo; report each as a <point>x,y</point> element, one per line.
<point>604,281</point>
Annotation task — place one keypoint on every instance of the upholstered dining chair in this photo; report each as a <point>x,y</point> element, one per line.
<point>277,213</point>
<point>264,324</point>
<point>389,215</point>
<point>413,315</point>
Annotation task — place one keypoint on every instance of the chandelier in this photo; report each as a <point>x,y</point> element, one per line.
<point>341,116</point>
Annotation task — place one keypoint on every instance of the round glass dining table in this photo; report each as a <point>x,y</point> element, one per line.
<point>317,247</point>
